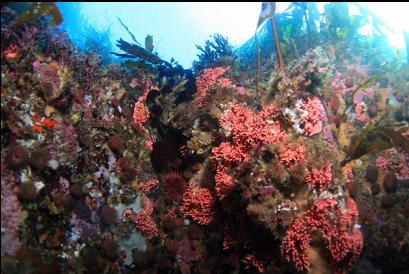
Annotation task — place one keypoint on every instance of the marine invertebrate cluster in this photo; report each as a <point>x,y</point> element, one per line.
<point>143,220</point>
<point>140,116</point>
<point>320,177</point>
<point>10,219</point>
<point>149,169</point>
<point>198,204</point>
<point>341,237</point>
<point>207,80</point>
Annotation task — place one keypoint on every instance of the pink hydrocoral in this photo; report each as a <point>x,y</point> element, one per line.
<point>344,238</point>
<point>248,131</point>
<point>314,116</point>
<point>198,204</point>
<point>207,80</point>
<point>145,187</point>
<point>224,183</point>
<point>320,177</point>
<point>251,260</point>
<point>292,154</point>
<point>10,218</point>
<point>337,226</point>
<point>383,162</point>
<point>140,117</point>
<point>227,153</point>
<point>403,167</point>
<point>143,220</point>
<point>296,243</point>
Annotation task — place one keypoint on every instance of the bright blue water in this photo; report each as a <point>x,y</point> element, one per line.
<point>178,27</point>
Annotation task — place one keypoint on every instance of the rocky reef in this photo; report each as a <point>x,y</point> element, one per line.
<point>106,169</point>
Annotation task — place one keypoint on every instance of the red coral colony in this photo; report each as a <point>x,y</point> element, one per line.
<point>233,166</point>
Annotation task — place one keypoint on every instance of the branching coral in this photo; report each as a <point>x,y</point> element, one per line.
<point>143,220</point>
<point>207,80</point>
<point>248,131</point>
<point>320,177</point>
<point>198,204</point>
<point>337,226</point>
<point>292,154</point>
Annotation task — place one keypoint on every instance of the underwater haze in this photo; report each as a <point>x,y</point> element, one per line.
<point>204,137</point>
<point>178,27</point>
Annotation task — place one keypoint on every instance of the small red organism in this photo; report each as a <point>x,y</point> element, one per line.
<point>36,117</point>
<point>12,52</point>
<point>50,123</point>
<point>224,183</point>
<point>251,260</point>
<point>173,187</point>
<point>125,163</point>
<point>149,143</point>
<point>171,223</point>
<point>198,204</point>
<point>40,122</point>
<point>140,117</point>
<point>27,192</point>
<point>320,177</point>
<point>145,187</point>
<point>38,128</point>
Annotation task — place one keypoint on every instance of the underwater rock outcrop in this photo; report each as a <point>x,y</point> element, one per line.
<point>123,169</point>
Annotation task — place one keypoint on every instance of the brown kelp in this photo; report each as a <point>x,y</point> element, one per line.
<point>37,9</point>
<point>268,12</point>
<point>377,137</point>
